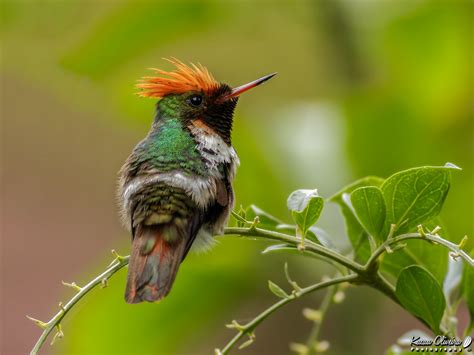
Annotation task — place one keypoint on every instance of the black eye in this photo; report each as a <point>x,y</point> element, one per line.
<point>195,100</point>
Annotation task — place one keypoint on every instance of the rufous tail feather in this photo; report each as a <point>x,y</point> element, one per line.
<point>156,254</point>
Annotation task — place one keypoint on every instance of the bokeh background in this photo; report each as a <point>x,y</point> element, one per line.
<point>364,88</point>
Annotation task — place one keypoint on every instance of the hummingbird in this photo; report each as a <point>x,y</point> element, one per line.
<point>175,188</point>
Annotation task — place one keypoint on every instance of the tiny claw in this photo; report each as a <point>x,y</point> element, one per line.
<point>38,322</point>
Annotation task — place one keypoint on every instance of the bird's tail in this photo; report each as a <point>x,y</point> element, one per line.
<point>156,254</point>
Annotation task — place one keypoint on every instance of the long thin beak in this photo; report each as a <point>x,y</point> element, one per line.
<point>243,88</point>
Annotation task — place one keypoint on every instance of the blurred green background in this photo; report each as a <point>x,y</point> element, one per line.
<point>364,88</point>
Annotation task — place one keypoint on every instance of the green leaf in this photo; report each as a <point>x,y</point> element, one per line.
<point>369,207</point>
<point>366,181</point>
<point>355,232</point>
<point>420,293</point>
<point>277,290</point>
<point>415,196</point>
<point>305,207</point>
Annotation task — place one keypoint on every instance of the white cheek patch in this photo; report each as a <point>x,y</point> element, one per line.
<point>215,151</point>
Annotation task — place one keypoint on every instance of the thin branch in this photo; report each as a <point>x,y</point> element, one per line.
<point>323,308</point>
<point>55,322</point>
<point>309,245</point>
<point>248,328</point>
<point>364,274</point>
<point>457,251</point>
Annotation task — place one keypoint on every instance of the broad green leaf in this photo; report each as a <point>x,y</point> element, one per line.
<point>355,232</point>
<point>305,207</point>
<point>415,196</point>
<point>420,293</point>
<point>366,181</point>
<point>277,290</point>
<point>369,206</point>
<point>266,219</point>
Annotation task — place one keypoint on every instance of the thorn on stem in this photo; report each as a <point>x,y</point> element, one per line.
<point>248,342</point>
<point>255,222</point>
<point>38,322</point>
<point>117,256</point>
<point>72,285</point>
<point>235,325</point>
<point>104,282</point>
<point>421,231</point>
<point>296,287</point>
<point>393,227</point>
<point>436,230</point>
<point>463,242</point>
<point>59,334</point>
<point>61,306</point>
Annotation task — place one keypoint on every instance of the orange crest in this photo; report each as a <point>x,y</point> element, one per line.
<point>184,78</point>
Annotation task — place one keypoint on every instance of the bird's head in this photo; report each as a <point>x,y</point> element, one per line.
<point>191,94</point>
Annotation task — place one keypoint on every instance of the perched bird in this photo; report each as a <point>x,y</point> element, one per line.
<point>175,188</point>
